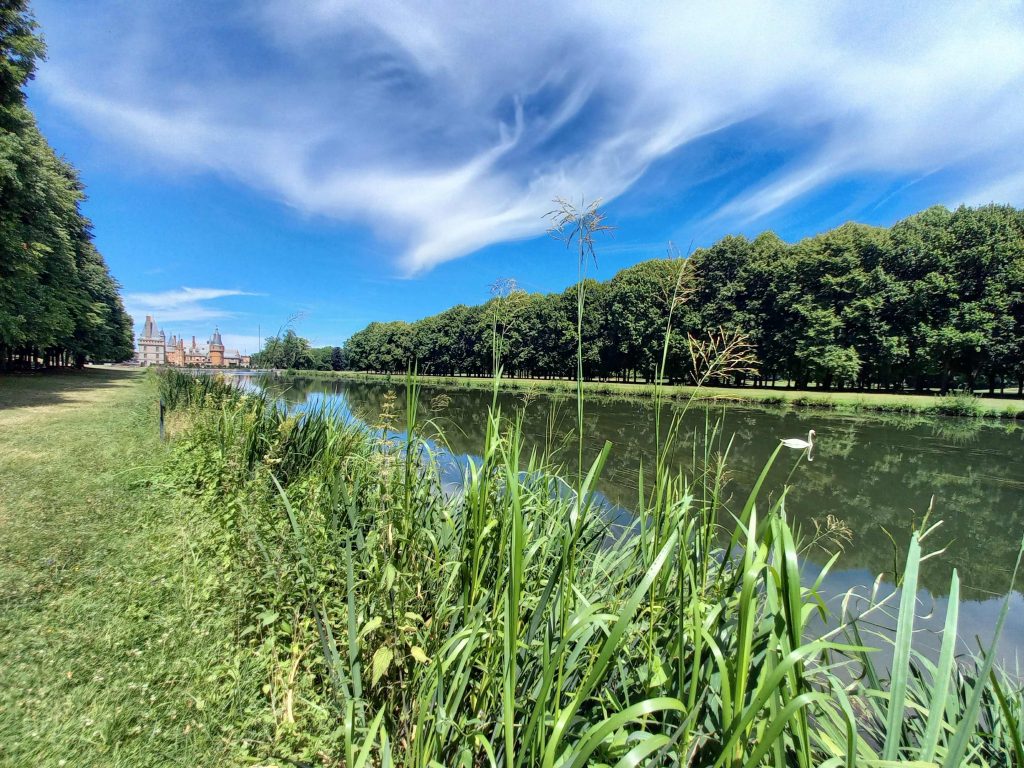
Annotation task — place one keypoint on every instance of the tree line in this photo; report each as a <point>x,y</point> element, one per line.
<point>289,350</point>
<point>59,304</point>
<point>935,301</point>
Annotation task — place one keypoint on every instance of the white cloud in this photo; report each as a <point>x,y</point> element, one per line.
<point>447,129</point>
<point>180,305</point>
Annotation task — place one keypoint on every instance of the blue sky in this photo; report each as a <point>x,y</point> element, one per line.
<point>340,162</point>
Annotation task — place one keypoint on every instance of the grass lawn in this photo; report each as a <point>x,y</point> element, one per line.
<point>821,399</point>
<point>109,635</point>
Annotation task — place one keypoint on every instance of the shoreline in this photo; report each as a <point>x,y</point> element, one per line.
<point>839,402</point>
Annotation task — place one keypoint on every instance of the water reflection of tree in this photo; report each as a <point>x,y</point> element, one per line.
<point>876,475</point>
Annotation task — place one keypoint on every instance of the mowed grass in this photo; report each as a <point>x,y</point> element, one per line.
<point>108,631</point>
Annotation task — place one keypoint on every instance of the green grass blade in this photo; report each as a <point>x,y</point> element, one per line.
<point>596,734</point>
<point>965,729</point>
<point>943,673</point>
<point>611,643</point>
<point>901,653</point>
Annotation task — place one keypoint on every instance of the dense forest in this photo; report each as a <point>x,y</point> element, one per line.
<point>935,301</point>
<point>59,304</point>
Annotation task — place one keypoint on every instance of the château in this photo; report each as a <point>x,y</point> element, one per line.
<point>155,349</point>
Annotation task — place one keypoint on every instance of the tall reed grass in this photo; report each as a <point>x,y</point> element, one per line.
<point>505,624</point>
<point>514,624</point>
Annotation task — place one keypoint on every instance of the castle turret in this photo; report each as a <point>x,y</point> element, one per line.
<point>216,349</point>
<point>152,344</point>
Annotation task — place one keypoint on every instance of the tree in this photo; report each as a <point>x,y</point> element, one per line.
<point>289,350</point>
<point>937,300</point>
<point>639,299</point>
<point>337,359</point>
<point>59,304</point>
<point>20,49</point>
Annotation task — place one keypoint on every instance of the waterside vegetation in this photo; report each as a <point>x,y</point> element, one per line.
<point>396,622</point>
<point>278,588</point>
<point>511,621</point>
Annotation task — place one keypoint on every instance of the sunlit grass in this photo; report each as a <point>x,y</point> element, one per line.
<point>112,646</point>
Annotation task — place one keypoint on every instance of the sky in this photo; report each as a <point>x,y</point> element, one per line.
<point>328,163</point>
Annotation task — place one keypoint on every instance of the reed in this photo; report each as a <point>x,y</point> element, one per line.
<point>512,621</point>
<point>181,388</point>
<point>401,622</point>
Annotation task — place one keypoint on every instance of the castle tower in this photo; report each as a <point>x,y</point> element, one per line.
<point>176,351</point>
<point>152,344</point>
<point>216,349</point>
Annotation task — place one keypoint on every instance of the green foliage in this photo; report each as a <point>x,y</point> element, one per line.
<point>179,389</point>
<point>291,351</point>
<point>936,301</point>
<point>510,624</point>
<point>20,49</point>
<point>59,304</point>
<point>959,403</point>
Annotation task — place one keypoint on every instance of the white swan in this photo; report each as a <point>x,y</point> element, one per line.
<point>796,442</point>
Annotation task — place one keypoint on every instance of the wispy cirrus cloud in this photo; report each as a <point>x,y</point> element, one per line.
<point>446,129</point>
<point>180,305</point>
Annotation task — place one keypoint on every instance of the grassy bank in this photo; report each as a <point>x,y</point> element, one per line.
<point>845,402</point>
<point>116,642</point>
<point>277,590</point>
<point>394,622</point>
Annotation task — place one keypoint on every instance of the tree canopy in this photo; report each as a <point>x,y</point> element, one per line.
<point>59,304</point>
<point>936,300</point>
<point>289,350</point>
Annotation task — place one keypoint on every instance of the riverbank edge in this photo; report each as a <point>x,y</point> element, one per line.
<point>839,402</point>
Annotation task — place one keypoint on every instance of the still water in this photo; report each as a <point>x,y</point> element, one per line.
<point>877,475</point>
